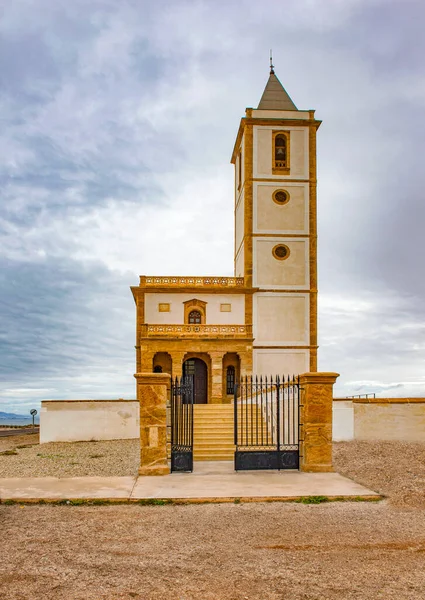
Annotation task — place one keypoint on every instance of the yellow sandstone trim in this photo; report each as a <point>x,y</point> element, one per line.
<point>313,242</point>
<point>382,400</point>
<point>248,207</point>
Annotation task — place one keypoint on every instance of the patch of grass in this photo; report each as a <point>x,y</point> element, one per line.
<point>313,499</point>
<point>9,502</point>
<point>237,501</point>
<point>96,455</point>
<point>363,499</point>
<point>51,456</point>
<point>8,453</point>
<point>154,502</point>
<point>82,502</point>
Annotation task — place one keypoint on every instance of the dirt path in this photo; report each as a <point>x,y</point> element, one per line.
<point>249,551</point>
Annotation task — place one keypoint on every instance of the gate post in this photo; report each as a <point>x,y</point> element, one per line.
<point>152,397</point>
<point>316,395</point>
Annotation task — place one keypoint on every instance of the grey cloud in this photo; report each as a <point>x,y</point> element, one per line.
<point>108,102</point>
<point>59,309</point>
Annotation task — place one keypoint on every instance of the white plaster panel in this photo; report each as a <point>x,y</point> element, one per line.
<point>239,262</point>
<point>239,223</point>
<point>303,115</point>
<point>280,362</point>
<point>84,420</point>
<point>176,314</point>
<point>281,319</point>
<point>291,273</point>
<point>342,421</point>
<point>262,153</point>
<point>270,217</point>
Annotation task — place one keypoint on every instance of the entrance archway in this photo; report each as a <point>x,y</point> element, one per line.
<point>197,368</point>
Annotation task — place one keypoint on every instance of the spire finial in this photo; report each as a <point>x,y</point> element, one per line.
<point>271,63</point>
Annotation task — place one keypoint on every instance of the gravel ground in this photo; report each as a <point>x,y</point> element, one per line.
<point>77,459</point>
<point>394,469</point>
<point>336,551</point>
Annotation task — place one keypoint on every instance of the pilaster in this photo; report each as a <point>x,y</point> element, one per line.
<point>248,199</point>
<point>146,360</point>
<point>246,363</point>
<point>177,363</point>
<point>216,377</point>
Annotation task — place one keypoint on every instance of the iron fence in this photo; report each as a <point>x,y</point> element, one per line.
<point>266,423</point>
<point>182,424</point>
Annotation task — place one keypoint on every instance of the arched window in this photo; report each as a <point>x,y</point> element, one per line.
<point>195,317</point>
<point>230,380</point>
<point>280,151</point>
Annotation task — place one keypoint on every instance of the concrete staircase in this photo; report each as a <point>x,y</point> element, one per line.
<point>213,432</point>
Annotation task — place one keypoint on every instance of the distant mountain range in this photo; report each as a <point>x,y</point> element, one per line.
<point>6,415</point>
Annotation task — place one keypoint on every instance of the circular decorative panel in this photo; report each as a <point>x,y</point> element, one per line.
<point>281,196</point>
<point>280,252</point>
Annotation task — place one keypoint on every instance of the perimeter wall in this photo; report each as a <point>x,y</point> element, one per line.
<point>398,419</point>
<point>85,420</point>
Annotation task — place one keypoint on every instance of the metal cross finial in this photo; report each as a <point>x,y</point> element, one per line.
<point>271,64</point>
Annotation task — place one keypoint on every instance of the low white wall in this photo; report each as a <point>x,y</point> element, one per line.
<point>84,420</point>
<point>387,419</point>
<point>391,419</point>
<point>343,420</point>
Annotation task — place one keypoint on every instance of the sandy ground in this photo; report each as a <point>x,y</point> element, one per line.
<point>248,551</point>
<point>262,551</point>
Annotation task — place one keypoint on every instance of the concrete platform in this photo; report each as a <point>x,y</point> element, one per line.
<point>210,482</point>
<point>67,488</point>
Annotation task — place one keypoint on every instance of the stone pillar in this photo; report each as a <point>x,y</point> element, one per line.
<point>216,377</point>
<point>152,396</point>
<point>316,421</point>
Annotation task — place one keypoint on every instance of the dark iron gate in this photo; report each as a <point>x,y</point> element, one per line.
<point>182,394</point>
<point>267,423</point>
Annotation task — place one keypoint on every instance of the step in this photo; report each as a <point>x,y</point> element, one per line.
<point>217,457</point>
<point>214,444</point>
<point>212,425</point>
<point>211,437</point>
<point>204,422</point>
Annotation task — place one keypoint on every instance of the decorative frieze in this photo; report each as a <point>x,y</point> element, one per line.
<point>146,281</point>
<point>196,330</point>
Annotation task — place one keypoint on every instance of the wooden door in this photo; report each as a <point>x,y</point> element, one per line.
<point>199,370</point>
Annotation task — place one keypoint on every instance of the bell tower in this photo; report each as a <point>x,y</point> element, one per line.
<point>276,230</point>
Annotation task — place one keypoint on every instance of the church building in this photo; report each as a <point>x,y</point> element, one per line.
<point>263,320</point>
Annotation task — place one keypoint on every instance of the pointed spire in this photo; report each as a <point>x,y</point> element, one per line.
<point>271,63</point>
<point>275,97</point>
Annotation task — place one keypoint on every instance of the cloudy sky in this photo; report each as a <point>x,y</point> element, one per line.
<point>118,122</point>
